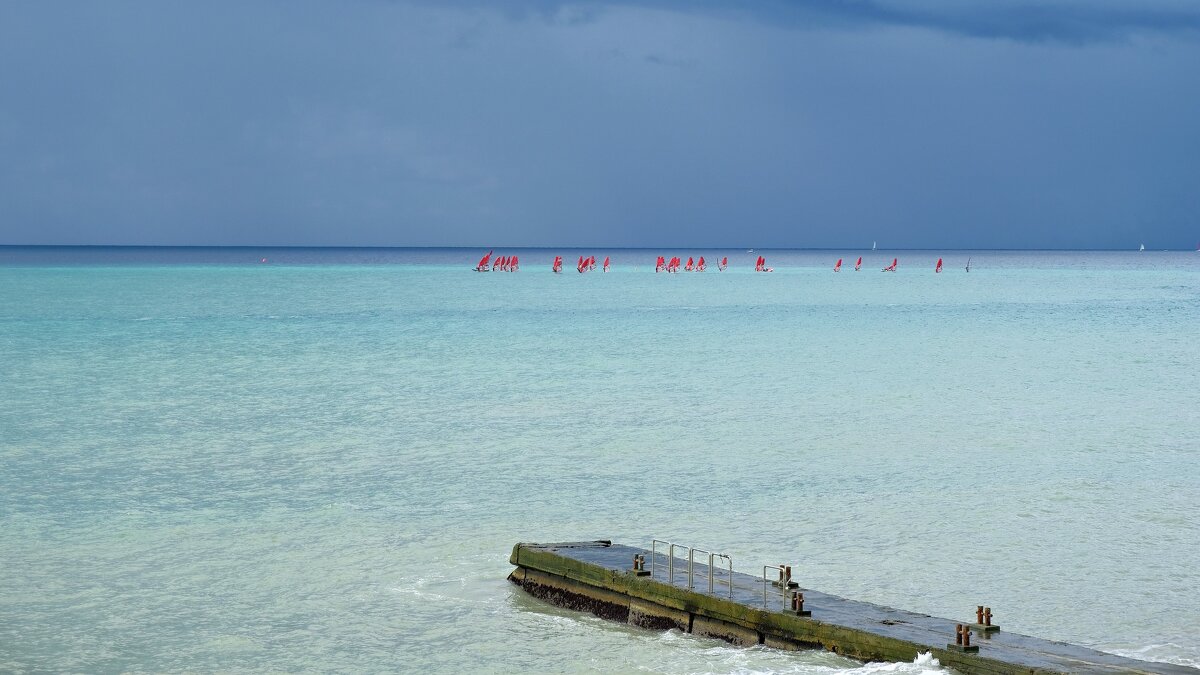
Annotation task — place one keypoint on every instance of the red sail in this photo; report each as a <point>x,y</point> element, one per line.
<point>484,260</point>
<point>858,264</point>
<point>939,266</point>
<point>838,266</point>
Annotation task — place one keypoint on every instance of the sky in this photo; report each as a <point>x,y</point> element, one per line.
<point>799,124</point>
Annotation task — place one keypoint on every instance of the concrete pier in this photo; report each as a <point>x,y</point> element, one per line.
<point>603,578</point>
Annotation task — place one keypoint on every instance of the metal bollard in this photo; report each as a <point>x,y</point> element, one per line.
<point>798,604</point>
<point>962,639</point>
<point>979,614</point>
<point>987,616</point>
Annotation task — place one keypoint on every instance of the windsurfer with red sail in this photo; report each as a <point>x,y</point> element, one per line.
<point>605,263</point>
<point>483,263</point>
<point>724,264</point>
<point>858,265</point>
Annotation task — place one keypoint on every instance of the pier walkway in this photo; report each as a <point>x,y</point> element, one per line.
<point>668,592</point>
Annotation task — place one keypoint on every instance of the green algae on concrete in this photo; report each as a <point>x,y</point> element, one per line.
<point>598,577</point>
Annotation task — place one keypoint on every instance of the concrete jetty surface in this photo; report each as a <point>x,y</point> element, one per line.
<point>600,577</point>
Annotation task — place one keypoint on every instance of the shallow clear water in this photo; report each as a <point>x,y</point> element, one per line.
<point>322,463</point>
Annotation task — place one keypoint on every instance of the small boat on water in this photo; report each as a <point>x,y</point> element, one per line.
<point>1142,247</point>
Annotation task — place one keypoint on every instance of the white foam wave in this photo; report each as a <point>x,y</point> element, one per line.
<point>1167,652</point>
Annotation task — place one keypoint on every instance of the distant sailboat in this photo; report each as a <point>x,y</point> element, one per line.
<point>872,246</point>
<point>938,269</point>
<point>838,266</point>
<point>1142,247</point>
<point>968,263</point>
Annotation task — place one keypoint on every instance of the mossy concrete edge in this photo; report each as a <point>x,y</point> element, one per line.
<point>611,594</point>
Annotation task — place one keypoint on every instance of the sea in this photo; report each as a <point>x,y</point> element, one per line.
<point>319,460</point>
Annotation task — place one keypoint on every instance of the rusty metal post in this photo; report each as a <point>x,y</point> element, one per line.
<point>979,614</point>
<point>966,636</point>
<point>987,616</point>
<point>958,634</point>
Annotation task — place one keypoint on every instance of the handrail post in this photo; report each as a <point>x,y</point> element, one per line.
<point>654,553</point>
<point>766,583</point>
<point>691,552</point>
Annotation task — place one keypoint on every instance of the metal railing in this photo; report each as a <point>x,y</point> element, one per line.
<point>691,561</point>
<point>670,557</point>
<point>711,568</point>
<point>766,583</point>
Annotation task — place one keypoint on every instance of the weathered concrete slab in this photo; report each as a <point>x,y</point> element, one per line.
<point>598,577</point>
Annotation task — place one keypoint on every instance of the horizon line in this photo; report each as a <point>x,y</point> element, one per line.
<point>585,247</point>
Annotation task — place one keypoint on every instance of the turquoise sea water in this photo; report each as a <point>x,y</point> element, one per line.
<point>322,463</point>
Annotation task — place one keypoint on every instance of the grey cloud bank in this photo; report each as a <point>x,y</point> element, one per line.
<point>800,124</point>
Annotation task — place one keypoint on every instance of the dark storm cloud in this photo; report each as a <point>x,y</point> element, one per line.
<point>377,122</point>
